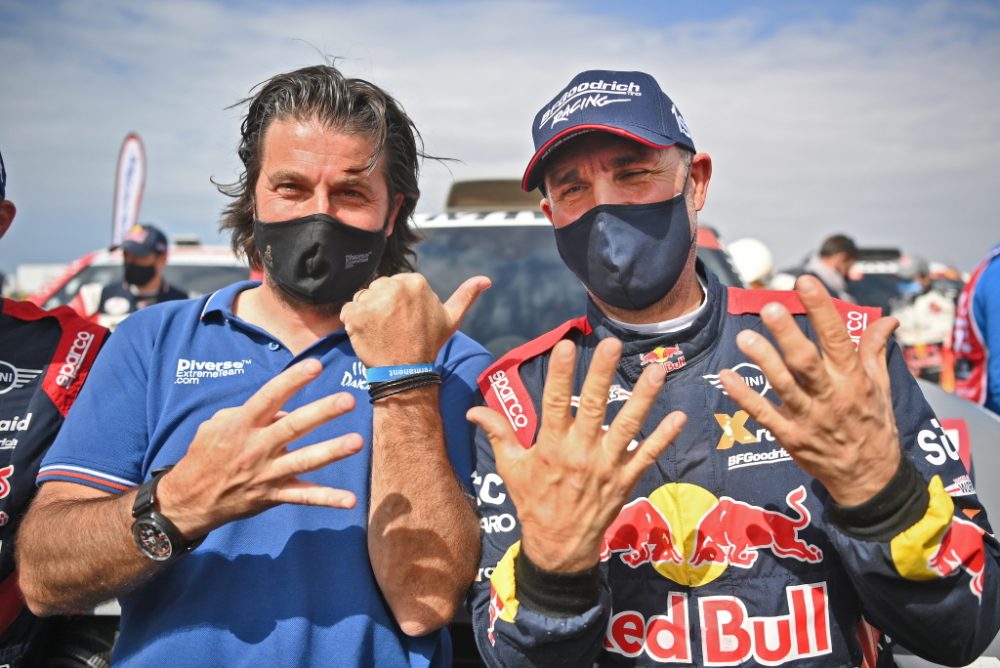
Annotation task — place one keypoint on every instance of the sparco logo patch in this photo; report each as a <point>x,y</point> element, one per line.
<point>857,323</point>
<point>74,358</point>
<point>191,371</point>
<point>12,378</point>
<point>589,94</point>
<point>505,394</point>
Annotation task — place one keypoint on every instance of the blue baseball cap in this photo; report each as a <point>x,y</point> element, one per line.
<point>3,179</point>
<point>142,240</point>
<point>629,104</point>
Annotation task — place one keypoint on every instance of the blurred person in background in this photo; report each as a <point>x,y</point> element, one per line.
<point>45,356</point>
<point>753,261</point>
<point>832,265</point>
<point>926,317</point>
<point>976,339</point>
<point>144,254</point>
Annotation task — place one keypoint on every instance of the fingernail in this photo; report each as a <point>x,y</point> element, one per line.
<point>656,375</point>
<point>747,338</point>
<point>772,310</point>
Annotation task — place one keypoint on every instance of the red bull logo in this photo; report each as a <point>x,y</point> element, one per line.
<point>730,636</point>
<point>722,532</point>
<point>962,549</point>
<point>642,534</point>
<point>670,358</point>
<point>734,532</point>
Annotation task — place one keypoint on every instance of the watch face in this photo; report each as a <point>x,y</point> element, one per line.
<point>151,539</point>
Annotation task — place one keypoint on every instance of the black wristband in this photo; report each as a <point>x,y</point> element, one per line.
<point>900,505</point>
<point>556,594</point>
<point>386,389</point>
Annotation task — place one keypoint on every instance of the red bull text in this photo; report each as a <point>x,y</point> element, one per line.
<point>729,635</point>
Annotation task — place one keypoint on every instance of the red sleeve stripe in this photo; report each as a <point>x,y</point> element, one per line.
<point>75,476</point>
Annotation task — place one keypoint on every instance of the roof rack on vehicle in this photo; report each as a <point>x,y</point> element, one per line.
<point>490,195</point>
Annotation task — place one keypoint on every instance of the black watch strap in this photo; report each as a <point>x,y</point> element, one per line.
<point>152,529</point>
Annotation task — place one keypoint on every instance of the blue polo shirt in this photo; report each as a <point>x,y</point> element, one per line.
<point>292,586</point>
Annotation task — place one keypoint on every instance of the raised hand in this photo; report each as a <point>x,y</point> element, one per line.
<point>836,418</point>
<point>570,486</point>
<point>238,464</point>
<point>399,320</point>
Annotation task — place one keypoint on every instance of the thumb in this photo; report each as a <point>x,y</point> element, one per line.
<point>496,427</point>
<point>464,297</point>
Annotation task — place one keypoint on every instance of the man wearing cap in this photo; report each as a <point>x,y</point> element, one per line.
<point>702,475</point>
<point>45,356</point>
<point>144,254</point>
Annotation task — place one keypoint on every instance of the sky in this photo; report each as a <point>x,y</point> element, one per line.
<point>880,120</point>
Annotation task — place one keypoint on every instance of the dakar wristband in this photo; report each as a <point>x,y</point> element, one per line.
<point>383,374</point>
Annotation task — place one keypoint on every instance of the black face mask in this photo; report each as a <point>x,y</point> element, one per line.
<point>136,274</point>
<point>317,258</point>
<point>629,255</point>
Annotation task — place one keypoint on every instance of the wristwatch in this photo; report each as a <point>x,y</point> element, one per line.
<point>156,536</point>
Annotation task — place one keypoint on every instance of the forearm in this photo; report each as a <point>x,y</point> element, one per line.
<point>423,537</point>
<point>74,553</point>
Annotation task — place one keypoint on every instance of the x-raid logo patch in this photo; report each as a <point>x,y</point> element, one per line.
<point>735,430</point>
<point>589,94</point>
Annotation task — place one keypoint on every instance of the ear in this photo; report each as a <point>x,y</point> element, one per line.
<point>7,211</point>
<point>701,174</point>
<point>397,204</point>
<point>546,206</point>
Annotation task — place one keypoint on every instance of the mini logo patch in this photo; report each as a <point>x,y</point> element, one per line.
<point>13,378</point>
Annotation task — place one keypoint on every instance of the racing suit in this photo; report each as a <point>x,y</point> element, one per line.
<point>977,336</point>
<point>45,357</point>
<point>728,553</point>
<point>109,304</point>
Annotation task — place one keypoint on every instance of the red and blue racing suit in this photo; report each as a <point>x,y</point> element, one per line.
<point>45,357</point>
<point>728,553</point>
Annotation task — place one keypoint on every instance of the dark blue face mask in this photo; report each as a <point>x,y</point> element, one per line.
<point>629,255</point>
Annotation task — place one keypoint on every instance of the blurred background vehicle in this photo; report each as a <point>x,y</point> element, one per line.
<point>195,268</point>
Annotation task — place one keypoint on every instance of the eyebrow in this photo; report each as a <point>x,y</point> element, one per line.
<point>631,157</point>
<point>356,177</point>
